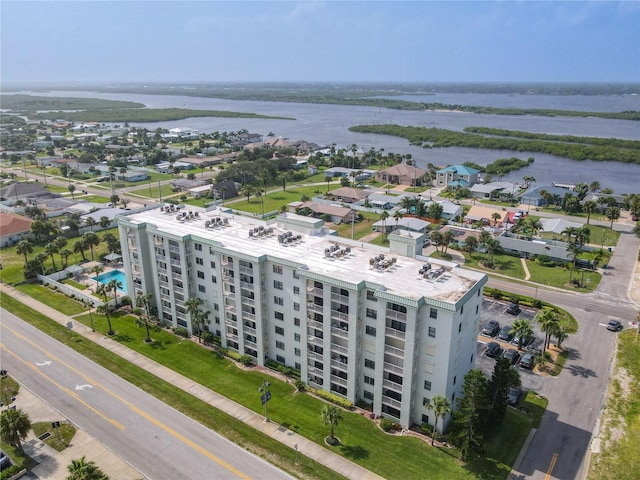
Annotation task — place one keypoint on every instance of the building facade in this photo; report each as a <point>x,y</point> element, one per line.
<point>369,326</point>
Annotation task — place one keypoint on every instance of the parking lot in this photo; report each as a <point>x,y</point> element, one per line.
<point>497,310</point>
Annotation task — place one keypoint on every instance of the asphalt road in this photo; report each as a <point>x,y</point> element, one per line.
<point>154,438</point>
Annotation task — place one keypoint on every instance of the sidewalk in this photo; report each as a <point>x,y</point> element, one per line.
<point>306,447</point>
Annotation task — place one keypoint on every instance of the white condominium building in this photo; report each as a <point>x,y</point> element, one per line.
<point>383,326</point>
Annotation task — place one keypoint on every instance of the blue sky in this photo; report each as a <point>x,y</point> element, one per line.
<point>453,41</point>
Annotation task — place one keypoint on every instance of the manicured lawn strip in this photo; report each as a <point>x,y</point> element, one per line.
<point>504,264</point>
<point>94,198</point>
<point>619,459</point>
<point>559,277</point>
<point>57,189</point>
<point>505,444</point>
<point>151,191</point>
<point>362,441</point>
<point>360,229</point>
<point>536,405</point>
<point>73,283</point>
<point>60,437</point>
<point>233,429</point>
<point>275,200</point>
<point>55,300</point>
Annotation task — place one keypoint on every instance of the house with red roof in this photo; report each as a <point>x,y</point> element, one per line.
<point>13,228</point>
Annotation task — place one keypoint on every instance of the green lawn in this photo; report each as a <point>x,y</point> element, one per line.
<point>360,229</point>
<point>390,456</point>
<point>73,283</point>
<point>535,406</point>
<point>60,437</point>
<point>151,191</point>
<point>505,444</point>
<point>504,264</point>
<point>94,198</point>
<point>55,300</point>
<point>275,200</point>
<point>598,236</point>
<point>559,277</point>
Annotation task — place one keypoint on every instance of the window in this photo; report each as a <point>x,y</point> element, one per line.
<point>277,269</point>
<point>397,308</point>
<point>471,359</point>
<point>371,313</point>
<point>213,264</point>
<point>297,366</point>
<point>426,401</point>
<point>278,315</point>
<point>370,331</point>
<point>201,289</point>
<point>280,330</point>
<point>370,296</point>
<point>367,395</point>
<point>477,306</point>
<point>200,274</point>
<point>217,320</point>
<point>280,345</point>
<point>461,310</point>
<point>281,359</point>
<point>432,331</point>
<point>296,307</point>
<point>296,351</point>
<point>433,313</point>
<point>318,285</point>
<point>296,337</point>
<point>459,327</point>
<point>397,325</point>
<point>425,418</point>
<point>369,380</point>
<point>277,285</point>
<point>278,300</point>
<point>214,279</point>
<point>199,261</point>
<point>369,363</point>
<point>296,290</point>
<point>454,379</point>
<point>216,307</point>
<point>296,322</point>
<point>427,385</point>
<point>198,247</point>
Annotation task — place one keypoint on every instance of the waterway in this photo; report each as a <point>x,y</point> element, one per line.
<point>327,124</point>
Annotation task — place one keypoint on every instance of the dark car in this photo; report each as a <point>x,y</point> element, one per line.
<point>505,333</point>
<point>526,341</point>
<point>491,329</point>
<point>514,395</point>
<point>512,355</point>
<point>493,349</point>
<point>614,325</point>
<point>527,361</point>
<point>513,308</point>
<point>4,460</point>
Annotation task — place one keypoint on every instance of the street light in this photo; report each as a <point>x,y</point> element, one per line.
<point>91,316</point>
<point>3,375</point>
<point>265,389</point>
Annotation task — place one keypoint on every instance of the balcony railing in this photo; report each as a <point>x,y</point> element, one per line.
<point>391,402</point>
<point>393,368</point>
<point>339,315</point>
<point>392,385</point>
<point>339,332</point>
<point>339,380</point>
<point>339,349</point>
<point>394,315</point>
<point>398,352</point>
<point>392,332</point>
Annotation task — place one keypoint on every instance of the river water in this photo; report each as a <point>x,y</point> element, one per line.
<point>327,124</point>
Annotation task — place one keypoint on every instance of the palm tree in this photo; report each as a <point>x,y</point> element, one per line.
<point>49,249</point>
<point>492,246</point>
<point>14,426</point>
<point>569,232</point>
<point>330,415</point>
<point>495,216</point>
<point>470,244</point>
<point>39,259</point>
<point>594,187</point>
<point>397,215</point>
<point>447,238</point>
<point>548,320</point>
<point>105,309</point>
<point>436,239</point>
<point>383,216</point>
<point>589,207</point>
<point>91,240</point>
<point>24,247</point>
<point>90,222</point>
<point>80,469</point>
<point>143,301</point>
<point>114,285</point>
<point>194,309</point>
<point>613,213</point>
<point>79,247</point>
<point>65,253</point>
<point>440,406</point>
<point>98,269</point>
<point>521,329</point>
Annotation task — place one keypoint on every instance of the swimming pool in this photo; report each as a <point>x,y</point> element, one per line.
<point>117,275</point>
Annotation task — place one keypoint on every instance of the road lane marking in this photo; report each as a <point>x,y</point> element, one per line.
<point>131,406</point>
<point>554,459</point>
<point>66,390</point>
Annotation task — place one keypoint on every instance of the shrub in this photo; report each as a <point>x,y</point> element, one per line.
<point>181,331</point>
<point>246,360</point>
<point>342,402</point>
<point>208,337</point>
<point>386,424</point>
<point>301,386</point>
<point>125,301</point>
<point>10,472</point>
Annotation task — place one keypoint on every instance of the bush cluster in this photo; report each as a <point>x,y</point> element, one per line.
<point>181,331</point>
<point>386,424</point>
<point>10,472</point>
<point>341,402</point>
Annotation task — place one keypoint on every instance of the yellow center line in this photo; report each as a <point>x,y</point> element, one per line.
<point>69,392</point>
<point>554,459</point>
<point>131,406</point>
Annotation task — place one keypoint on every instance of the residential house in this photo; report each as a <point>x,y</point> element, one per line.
<point>401,174</point>
<point>457,175</point>
<point>348,194</point>
<point>27,192</point>
<point>13,228</point>
<point>534,198</point>
<point>411,224</point>
<point>485,215</point>
<point>384,202</point>
<point>331,213</point>
<point>450,210</point>
<point>494,190</point>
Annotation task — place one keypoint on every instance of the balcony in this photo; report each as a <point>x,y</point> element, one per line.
<point>340,332</point>
<point>173,249</point>
<point>314,324</point>
<point>250,330</point>
<point>336,348</point>
<point>175,261</point>
<point>392,332</point>
<point>232,336</point>
<point>248,316</point>
<point>390,367</point>
<point>313,340</point>
<point>396,387</point>
<point>248,301</point>
<point>314,371</point>
<point>336,297</point>
<point>397,352</point>
<point>391,402</point>
<point>312,307</point>
<point>393,315</point>
<point>315,356</point>
<point>315,292</point>
<point>340,363</point>
<point>231,307</point>
<point>339,315</point>
<point>339,380</point>
<point>250,344</point>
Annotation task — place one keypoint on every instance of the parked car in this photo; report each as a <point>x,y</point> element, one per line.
<point>4,460</point>
<point>505,333</point>
<point>614,325</point>
<point>513,308</point>
<point>634,217</point>
<point>514,395</point>
<point>493,349</point>
<point>511,354</point>
<point>526,341</point>
<point>527,361</point>
<point>491,329</point>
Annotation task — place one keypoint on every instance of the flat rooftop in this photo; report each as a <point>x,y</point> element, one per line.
<point>322,253</point>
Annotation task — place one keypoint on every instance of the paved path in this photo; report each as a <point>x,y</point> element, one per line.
<point>306,447</point>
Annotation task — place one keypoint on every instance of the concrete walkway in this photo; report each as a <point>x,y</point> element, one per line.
<point>527,274</point>
<point>306,447</point>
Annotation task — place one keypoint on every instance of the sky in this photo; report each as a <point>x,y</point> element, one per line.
<point>339,41</point>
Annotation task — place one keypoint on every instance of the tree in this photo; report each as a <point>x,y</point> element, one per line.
<point>548,320</point>
<point>397,215</point>
<point>79,247</point>
<point>65,253</point>
<point>467,419</point>
<point>97,270</point>
<point>434,210</point>
<point>496,216</point>
<point>80,469</point>
<point>470,244</point>
<point>328,179</point>
<point>594,187</point>
<point>49,249</point>
<point>114,199</point>
<point>613,213</point>
<point>90,222</point>
<point>91,240</point>
<point>492,246</point>
<point>113,286</point>
<point>331,416</point>
<point>72,189</point>
<point>113,243</point>
<point>104,221</point>
<point>440,406</point>
<point>502,378</point>
<point>447,239</point>
<point>14,426</point>
<point>383,217</point>
<point>436,239</point>
<point>24,247</point>
<point>560,334</point>
<point>521,329</point>
<point>40,259</point>
<point>589,207</point>
<point>194,309</point>
<point>105,309</point>
<point>143,301</point>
